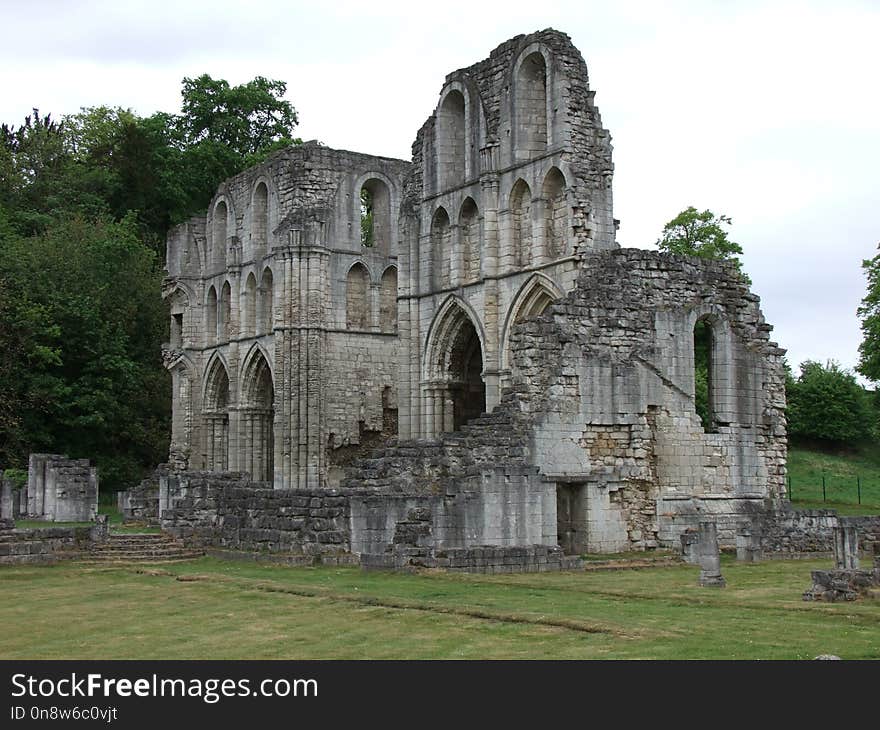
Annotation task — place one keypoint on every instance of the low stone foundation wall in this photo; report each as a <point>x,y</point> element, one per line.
<point>42,545</point>
<point>791,532</point>
<point>222,511</point>
<point>140,503</point>
<point>480,559</point>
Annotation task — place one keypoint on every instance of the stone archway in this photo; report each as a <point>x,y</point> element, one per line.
<point>257,420</point>
<point>216,417</point>
<point>454,388</point>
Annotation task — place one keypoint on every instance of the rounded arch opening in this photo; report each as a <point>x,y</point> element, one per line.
<point>219,233</point>
<point>260,220</point>
<point>704,385</point>
<point>451,141</point>
<point>469,230</point>
<point>441,233</point>
<point>375,215</point>
<point>521,214</point>
<point>555,213</point>
<point>530,110</point>
<point>388,300</point>
<point>266,305</point>
<point>358,314</point>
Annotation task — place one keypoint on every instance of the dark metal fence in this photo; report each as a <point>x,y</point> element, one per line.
<point>836,489</point>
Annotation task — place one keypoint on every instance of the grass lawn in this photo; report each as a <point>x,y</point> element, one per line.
<point>842,474</point>
<point>210,609</point>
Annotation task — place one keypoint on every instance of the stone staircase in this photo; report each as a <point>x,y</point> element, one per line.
<point>140,548</point>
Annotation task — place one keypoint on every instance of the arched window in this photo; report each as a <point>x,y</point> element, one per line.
<point>388,301</point>
<point>704,340</point>
<point>211,317</point>
<point>357,302</point>
<point>530,109</point>
<point>225,313</point>
<point>249,307</point>
<point>441,248</point>
<point>260,221</point>
<point>376,215</point>
<point>451,141</point>
<point>221,213</point>
<point>266,305</point>
<point>469,229</point>
<point>555,214</point>
<point>521,214</point>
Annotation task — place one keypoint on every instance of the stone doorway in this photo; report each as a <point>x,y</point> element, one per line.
<point>571,518</point>
<point>466,385</point>
<point>454,389</point>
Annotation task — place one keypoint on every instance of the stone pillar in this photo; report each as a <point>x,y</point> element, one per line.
<point>100,531</point>
<point>877,563</point>
<point>6,510</point>
<point>689,547</point>
<point>846,547</point>
<point>709,556</point>
<point>748,544</point>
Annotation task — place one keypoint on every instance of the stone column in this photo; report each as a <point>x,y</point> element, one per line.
<point>748,544</point>
<point>6,511</point>
<point>709,556</point>
<point>846,547</point>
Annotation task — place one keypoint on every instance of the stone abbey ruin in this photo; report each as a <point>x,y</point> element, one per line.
<point>451,360</point>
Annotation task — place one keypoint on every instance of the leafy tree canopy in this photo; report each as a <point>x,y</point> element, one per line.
<point>692,233</point>
<point>827,404</point>
<point>869,313</point>
<point>85,204</point>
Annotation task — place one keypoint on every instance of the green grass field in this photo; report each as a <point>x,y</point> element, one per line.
<point>842,473</point>
<point>209,609</point>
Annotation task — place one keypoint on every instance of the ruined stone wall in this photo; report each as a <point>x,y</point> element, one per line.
<point>510,184</point>
<point>262,352</point>
<point>224,511</point>
<point>60,489</point>
<point>793,532</point>
<point>41,546</point>
<point>601,404</point>
<point>607,378</point>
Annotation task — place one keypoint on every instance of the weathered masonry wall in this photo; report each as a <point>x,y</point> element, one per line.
<point>606,380</point>
<point>510,185</point>
<point>41,546</point>
<point>13,500</point>
<point>227,511</point>
<point>787,531</point>
<point>283,322</point>
<point>60,489</point>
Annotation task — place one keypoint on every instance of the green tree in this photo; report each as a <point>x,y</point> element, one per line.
<point>827,405</point>
<point>869,314</point>
<point>80,364</point>
<point>693,233</point>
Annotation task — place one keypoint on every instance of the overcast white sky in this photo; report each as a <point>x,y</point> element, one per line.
<point>766,111</point>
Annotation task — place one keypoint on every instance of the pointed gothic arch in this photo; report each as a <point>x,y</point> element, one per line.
<point>216,415</point>
<point>257,416</point>
<point>453,385</point>
<point>532,299</point>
